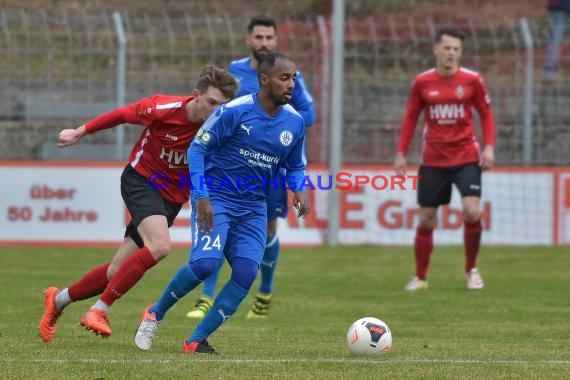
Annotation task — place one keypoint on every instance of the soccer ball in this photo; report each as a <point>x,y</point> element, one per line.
<point>369,336</point>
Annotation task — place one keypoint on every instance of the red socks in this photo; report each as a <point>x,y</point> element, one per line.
<point>90,285</point>
<point>128,275</point>
<point>472,240</point>
<point>423,246</point>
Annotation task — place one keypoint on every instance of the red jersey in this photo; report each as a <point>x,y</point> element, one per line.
<point>449,132</point>
<point>163,144</point>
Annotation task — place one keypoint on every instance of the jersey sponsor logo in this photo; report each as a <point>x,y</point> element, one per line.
<point>169,105</point>
<point>246,128</point>
<point>174,157</point>
<point>286,138</point>
<point>433,93</point>
<point>259,159</point>
<point>171,137</point>
<point>446,111</point>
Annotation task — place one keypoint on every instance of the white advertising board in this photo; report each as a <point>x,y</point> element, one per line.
<point>75,204</point>
<point>61,204</point>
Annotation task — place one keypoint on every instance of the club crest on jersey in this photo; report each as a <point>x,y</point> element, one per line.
<point>459,91</point>
<point>203,136</point>
<point>286,138</point>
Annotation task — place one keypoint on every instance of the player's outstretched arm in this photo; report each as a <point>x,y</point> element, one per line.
<point>68,137</point>
<point>123,115</point>
<point>301,201</point>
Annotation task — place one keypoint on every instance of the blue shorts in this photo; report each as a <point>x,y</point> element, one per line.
<point>277,200</point>
<point>240,230</point>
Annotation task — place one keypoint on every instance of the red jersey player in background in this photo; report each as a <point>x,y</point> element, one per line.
<point>149,187</point>
<point>451,153</point>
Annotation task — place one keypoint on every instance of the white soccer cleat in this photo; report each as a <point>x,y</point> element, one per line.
<point>474,280</point>
<point>147,330</point>
<point>416,284</point>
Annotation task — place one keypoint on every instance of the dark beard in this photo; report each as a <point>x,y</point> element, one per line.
<point>259,56</point>
<point>278,101</point>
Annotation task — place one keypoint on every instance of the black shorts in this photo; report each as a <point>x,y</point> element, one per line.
<point>142,201</point>
<point>434,186</point>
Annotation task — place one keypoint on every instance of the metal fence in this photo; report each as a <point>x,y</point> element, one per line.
<point>57,71</point>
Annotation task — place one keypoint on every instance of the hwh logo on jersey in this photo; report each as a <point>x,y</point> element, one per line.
<point>446,111</point>
<point>173,157</point>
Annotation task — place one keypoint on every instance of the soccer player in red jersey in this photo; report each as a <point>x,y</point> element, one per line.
<point>451,154</point>
<point>150,189</point>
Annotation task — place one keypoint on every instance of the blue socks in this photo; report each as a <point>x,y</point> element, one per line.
<point>268,264</point>
<point>210,282</point>
<point>224,306</point>
<point>183,281</point>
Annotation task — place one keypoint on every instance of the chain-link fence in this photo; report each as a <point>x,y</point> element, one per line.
<point>57,71</point>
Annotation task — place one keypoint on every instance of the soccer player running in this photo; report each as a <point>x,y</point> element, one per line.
<point>238,151</point>
<point>261,39</point>
<point>451,154</point>
<point>150,188</point>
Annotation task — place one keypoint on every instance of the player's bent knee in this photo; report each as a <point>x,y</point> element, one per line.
<point>204,268</point>
<point>427,223</point>
<point>159,250</point>
<point>244,271</point>
<point>471,216</point>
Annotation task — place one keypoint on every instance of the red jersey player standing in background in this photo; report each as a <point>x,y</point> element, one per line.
<point>150,189</point>
<point>451,153</point>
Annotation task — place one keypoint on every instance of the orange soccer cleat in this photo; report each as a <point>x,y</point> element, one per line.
<point>196,347</point>
<point>96,321</point>
<point>50,316</point>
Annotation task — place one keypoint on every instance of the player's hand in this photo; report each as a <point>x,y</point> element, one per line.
<point>69,137</point>
<point>487,158</point>
<point>204,215</point>
<point>301,202</point>
<point>400,164</point>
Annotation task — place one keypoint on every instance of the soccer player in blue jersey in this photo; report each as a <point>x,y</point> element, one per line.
<point>235,158</point>
<point>261,39</point>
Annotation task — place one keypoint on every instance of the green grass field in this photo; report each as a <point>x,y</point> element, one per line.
<point>517,327</point>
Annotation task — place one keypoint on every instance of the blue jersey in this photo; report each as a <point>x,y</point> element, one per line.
<point>301,99</point>
<point>240,148</point>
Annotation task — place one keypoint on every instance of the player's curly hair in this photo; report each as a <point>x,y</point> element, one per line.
<point>219,78</point>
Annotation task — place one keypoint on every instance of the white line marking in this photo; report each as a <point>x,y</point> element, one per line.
<point>373,360</point>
